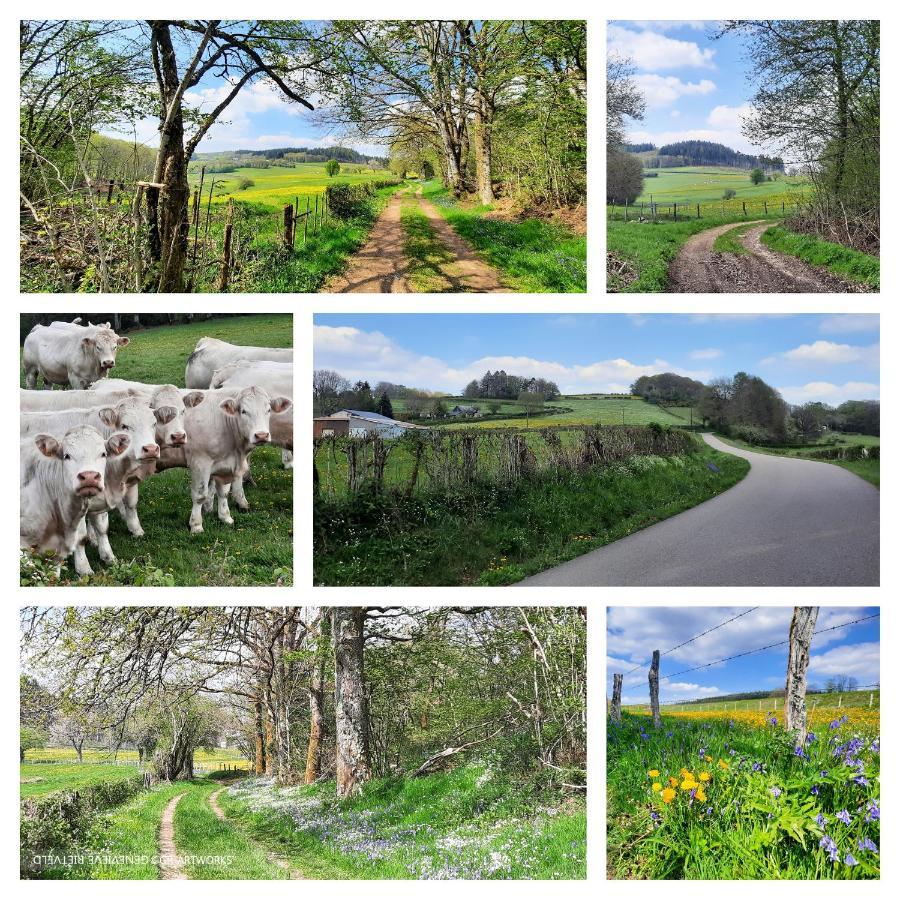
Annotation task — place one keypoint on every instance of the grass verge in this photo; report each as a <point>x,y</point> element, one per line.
<point>492,535</point>
<point>535,256</point>
<point>836,258</point>
<point>428,257</point>
<point>467,823</point>
<point>730,242</point>
<point>740,803</point>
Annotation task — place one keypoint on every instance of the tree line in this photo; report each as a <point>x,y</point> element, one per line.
<point>500,385</point>
<point>310,693</point>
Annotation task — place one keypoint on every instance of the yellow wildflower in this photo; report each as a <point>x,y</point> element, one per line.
<point>657,787</point>
<point>700,795</point>
<point>704,776</point>
<point>654,773</point>
<point>688,784</point>
<point>723,764</point>
<point>673,782</point>
<point>668,795</point>
<point>708,758</point>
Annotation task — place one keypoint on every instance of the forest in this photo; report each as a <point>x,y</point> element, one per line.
<point>495,110</point>
<point>336,705</point>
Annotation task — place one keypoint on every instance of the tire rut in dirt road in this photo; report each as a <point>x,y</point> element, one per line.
<point>272,857</point>
<point>699,269</point>
<point>468,272</point>
<point>169,861</point>
<point>381,266</point>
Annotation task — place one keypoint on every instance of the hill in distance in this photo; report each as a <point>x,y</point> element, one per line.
<point>701,153</point>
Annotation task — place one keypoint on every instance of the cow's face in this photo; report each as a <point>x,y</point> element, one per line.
<point>135,418</point>
<point>102,346</point>
<point>168,409</point>
<point>251,408</point>
<point>83,454</point>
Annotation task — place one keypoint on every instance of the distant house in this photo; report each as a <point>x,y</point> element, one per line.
<point>359,423</point>
<point>459,412</point>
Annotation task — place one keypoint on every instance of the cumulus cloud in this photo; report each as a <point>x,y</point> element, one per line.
<point>375,356</point>
<point>730,137</point>
<point>860,661</point>
<point>832,394</point>
<point>653,52</point>
<point>664,90</point>
<point>829,353</point>
<point>729,117</point>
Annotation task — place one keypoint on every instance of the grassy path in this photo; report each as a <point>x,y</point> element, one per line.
<point>169,862</point>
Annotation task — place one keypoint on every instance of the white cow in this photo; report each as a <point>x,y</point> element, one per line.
<point>275,378</point>
<point>44,401</point>
<point>211,354</point>
<point>222,432</point>
<point>58,479</point>
<point>70,354</point>
<point>122,474</point>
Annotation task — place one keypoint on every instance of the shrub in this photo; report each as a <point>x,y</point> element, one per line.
<point>729,194</point>
<point>54,824</point>
<point>245,183</point>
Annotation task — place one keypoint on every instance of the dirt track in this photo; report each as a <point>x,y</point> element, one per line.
<point>169,861</point>
<point>381,266</point>
<point>698,269</point>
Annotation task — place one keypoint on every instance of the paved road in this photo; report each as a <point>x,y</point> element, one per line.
<point>789,522</point>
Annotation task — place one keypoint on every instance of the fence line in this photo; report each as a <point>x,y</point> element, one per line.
<point>681,210</point>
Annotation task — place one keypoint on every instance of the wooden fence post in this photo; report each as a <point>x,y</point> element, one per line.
<point>316,219</point>
<point>109,190</point>
<point>675,211</point>
<point>766,206</point>
<point>615,709</point>
<point>306,221</point>
<point>653,678</point>
<point>137,255</point>
<point>782,207</point>
<point>288,216</point>
<point>803,623</point>
<point>225,271</point>
<point>744,206</point>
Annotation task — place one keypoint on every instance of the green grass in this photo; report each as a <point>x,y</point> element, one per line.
<point>707,184</point>
<point>824,701</point>
<point>467,823</point>
<point>257,549</point>
<point>221,851</point>
<point>729,242</point>
<point>37,779</point>
<point>836,258</point>
<point>869,469</point>
<point>493,535</point>
<point>428,257</point>
<point>759,818</point>
<point>216,756</point>
<point>534,256</point>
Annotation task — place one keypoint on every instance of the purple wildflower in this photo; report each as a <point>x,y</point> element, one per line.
<point>775,792</point>
<point>849,860</point>
<point>843,816</point>
<point>873,813</point>
<point>821,821</point>
<point>868,844</point>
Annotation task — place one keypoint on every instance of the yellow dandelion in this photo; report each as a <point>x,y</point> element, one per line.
<point>654,773</point>
<point>668,795</point>
<point>657,787</point>
<point>705,776</point>
<point>723,764</point>
<point>700,795</point>
<point>688,784</point>
<point>673,782</point>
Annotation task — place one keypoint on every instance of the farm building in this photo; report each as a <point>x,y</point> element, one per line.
<point>359,423</point>
<point>462,412</point>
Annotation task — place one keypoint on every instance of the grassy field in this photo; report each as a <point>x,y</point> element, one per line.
<point>35,779</point>
<point>534,256</point>
<point>707,184</point>
<point>257,549</point>
<point>825,704</point>
<point>499,535</point>
<point>727,796</point>
<point>869,469</point>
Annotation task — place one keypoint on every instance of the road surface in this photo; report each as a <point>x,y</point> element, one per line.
<point>789,522</point>
<point>698,269</point>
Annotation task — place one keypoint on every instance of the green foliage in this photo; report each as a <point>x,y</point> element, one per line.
<point>757,176</point>
<point>763,800</point>
<point>837,258</point>
<point>332,168</point>
<point>624,177</point>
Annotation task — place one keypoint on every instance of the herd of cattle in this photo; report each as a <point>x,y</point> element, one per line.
<point>85,451</point>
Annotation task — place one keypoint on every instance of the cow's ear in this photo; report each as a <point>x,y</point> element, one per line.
<point>124,342</point>
<point>117,443</point>
<point>87,343</point>
<point>280,404</point>
<point>164,414</point>
<point>109,417</point>
<point>48,445</point>
<point>228,406</point>
<point>194,398</point>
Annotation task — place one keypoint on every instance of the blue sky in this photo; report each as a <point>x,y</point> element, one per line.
<point>831,358</point>
<point>259,118</point>
<point>694,86</point>
<point>634,632</point>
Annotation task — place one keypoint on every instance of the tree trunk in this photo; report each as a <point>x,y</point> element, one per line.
<point>803,623</point>
<point>168,208</point>
<point>654,689</point>
<point>316,722</point>
<point>484,121</point>
<point>351,715</point>
<point>259,754</point>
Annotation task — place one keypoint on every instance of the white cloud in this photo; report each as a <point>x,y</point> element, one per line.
<point>709,353</point>
<point>849,323</point>
<point>832,394</point>
<point>633,633</point>
<point>652,52</point>
<point>670,25</point>
<point>729,117</point>
<point>664,90</point>
<point>861,661</point>
<point>375,356</point>
<point>729,137</point>
<point>830,353</point>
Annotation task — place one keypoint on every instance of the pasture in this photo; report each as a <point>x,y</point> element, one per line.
<point>707,184</point>
<point>257,549</point>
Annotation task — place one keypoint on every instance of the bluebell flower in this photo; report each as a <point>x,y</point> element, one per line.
<point>868,844</point>
<point>834,724</point>
<point>775,792</point>
<point>828,845</point>
<point>873,813</point>
<point>821,820</point>
<point>844,817</point>
<point>849,860</point>
<point>861,780</point>
<point>814,790</point>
